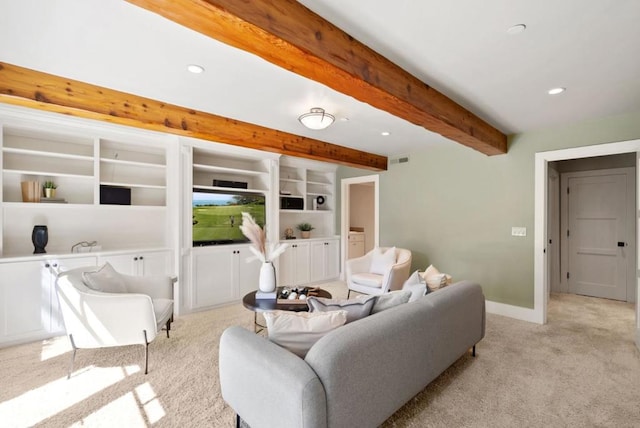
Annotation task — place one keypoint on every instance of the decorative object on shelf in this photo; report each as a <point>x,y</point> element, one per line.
<point>263,252</point>
<point>316,119</point>
<point>318,202</point>
<point>305,230</point>
<point>49,188</point>
<point>39,237</point>
<point>288,233</point>
<point>30,191</point>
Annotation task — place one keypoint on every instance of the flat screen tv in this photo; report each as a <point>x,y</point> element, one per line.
<point>217,215</point>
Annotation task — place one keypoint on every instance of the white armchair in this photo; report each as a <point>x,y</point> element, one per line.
<point>117,310</point>
<point>362,279</point>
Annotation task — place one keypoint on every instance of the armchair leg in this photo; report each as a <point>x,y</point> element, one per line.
<point>146,353</point>
<point>348,294</point>
<point>73,356</point>
<point>473,351</point>
<point>168,326</point>
<point>237,420</point>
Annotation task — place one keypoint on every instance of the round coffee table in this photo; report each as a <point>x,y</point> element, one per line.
<point>250,302</point>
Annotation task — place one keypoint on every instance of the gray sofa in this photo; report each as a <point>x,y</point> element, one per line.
<point>359,374</point>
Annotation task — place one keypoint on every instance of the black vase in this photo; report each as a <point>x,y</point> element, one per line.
<point>39,237</point>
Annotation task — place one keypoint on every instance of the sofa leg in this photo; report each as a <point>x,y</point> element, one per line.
<point>473,351</point>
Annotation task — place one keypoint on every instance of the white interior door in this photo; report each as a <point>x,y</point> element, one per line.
<point>598,233</point>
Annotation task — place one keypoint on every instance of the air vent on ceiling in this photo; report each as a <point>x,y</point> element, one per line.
<point>399,159</point>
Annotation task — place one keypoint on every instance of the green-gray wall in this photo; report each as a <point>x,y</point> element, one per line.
<point>454,207</point>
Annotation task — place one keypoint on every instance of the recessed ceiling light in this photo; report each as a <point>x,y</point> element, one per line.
<point>516,29</point>
<point>195,68</point>
<point>385,133</point>
<point>556,91</point>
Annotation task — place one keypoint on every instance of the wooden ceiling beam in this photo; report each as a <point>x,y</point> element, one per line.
<point>35,89</point>
<point>287,34</point>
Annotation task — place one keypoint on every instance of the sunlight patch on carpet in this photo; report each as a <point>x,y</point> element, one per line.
<point>150,403</point>
<point>121,412</point>
<point>58,395</point>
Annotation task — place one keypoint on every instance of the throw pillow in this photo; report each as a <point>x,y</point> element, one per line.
<point>381,261</point>
<point>416,285</point>
<point>430,271</point>
<point>389,300</point>
<point>105,279</point>
<point>298,331</point>
<point>356,308</point>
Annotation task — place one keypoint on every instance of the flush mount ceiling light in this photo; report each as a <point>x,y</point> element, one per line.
<point>316,119</point>
<point>556,91</point>
<point>385,133</point>
<point>195,68</point>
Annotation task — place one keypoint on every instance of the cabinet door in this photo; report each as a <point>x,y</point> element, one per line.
<point>154,263</point>
<point>317,261</point>
<point>122,263</point>
<point>301,264</point>
<point>286,267</point>
<point>213,278</point>
<point>247,272</point>
<point>332,259</point>
<point>26,296</point>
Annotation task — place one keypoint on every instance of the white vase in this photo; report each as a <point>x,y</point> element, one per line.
<point>267,280</point>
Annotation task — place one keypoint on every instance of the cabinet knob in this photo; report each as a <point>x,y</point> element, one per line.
<point>47,265</point>
<point>141,258</point>
<point>135,258</point>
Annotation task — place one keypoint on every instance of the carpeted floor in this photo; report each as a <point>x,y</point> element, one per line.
<point>582,369</point>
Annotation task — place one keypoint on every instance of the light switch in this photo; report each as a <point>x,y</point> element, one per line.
<point>518,231</point>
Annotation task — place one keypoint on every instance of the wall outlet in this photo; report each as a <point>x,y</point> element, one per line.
<point>518,231</point>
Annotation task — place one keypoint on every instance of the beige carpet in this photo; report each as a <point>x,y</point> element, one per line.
<point>580,370</point>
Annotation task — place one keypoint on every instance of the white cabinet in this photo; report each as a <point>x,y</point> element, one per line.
<point>140,263</point>
<point>28,299</point>
<point>355,245</point>
<point>221,275</point>
<point>324,260</point>
<point>294,264</point>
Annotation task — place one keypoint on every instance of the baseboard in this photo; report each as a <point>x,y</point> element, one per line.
<point>517,312</point>
<point>638,338</point>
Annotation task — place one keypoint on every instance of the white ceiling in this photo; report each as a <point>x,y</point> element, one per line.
<point>462,48</point>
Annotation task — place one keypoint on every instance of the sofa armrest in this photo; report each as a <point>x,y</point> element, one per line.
<point>267,385</point>
<point>155,286</point>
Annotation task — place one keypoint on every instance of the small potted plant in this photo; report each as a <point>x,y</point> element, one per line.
<point>305,230</point>
<point>49,189</point>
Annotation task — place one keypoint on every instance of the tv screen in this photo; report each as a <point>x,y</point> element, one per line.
<point>217,215</point>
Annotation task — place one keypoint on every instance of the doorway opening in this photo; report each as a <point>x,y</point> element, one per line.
<point>359,216</point>
<point>541,220</point>
<point>591,227</point>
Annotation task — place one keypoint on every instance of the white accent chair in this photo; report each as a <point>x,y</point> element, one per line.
<point>360,277</point>
<point>98,319</point>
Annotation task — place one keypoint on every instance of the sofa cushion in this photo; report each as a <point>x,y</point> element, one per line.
<point>298,331</point>
<point>356,308</point>
<point>389,300</point>
<point>416,285</point>
<point>381,261</point>
<point>367,279</point>
<point>104,279</point>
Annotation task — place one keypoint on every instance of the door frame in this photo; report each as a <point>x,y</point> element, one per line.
<point>630,178</point>
<point>345,211</point>
<point>541,285</point>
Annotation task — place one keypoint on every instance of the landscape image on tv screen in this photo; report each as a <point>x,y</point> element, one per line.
<point>217,216</point>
